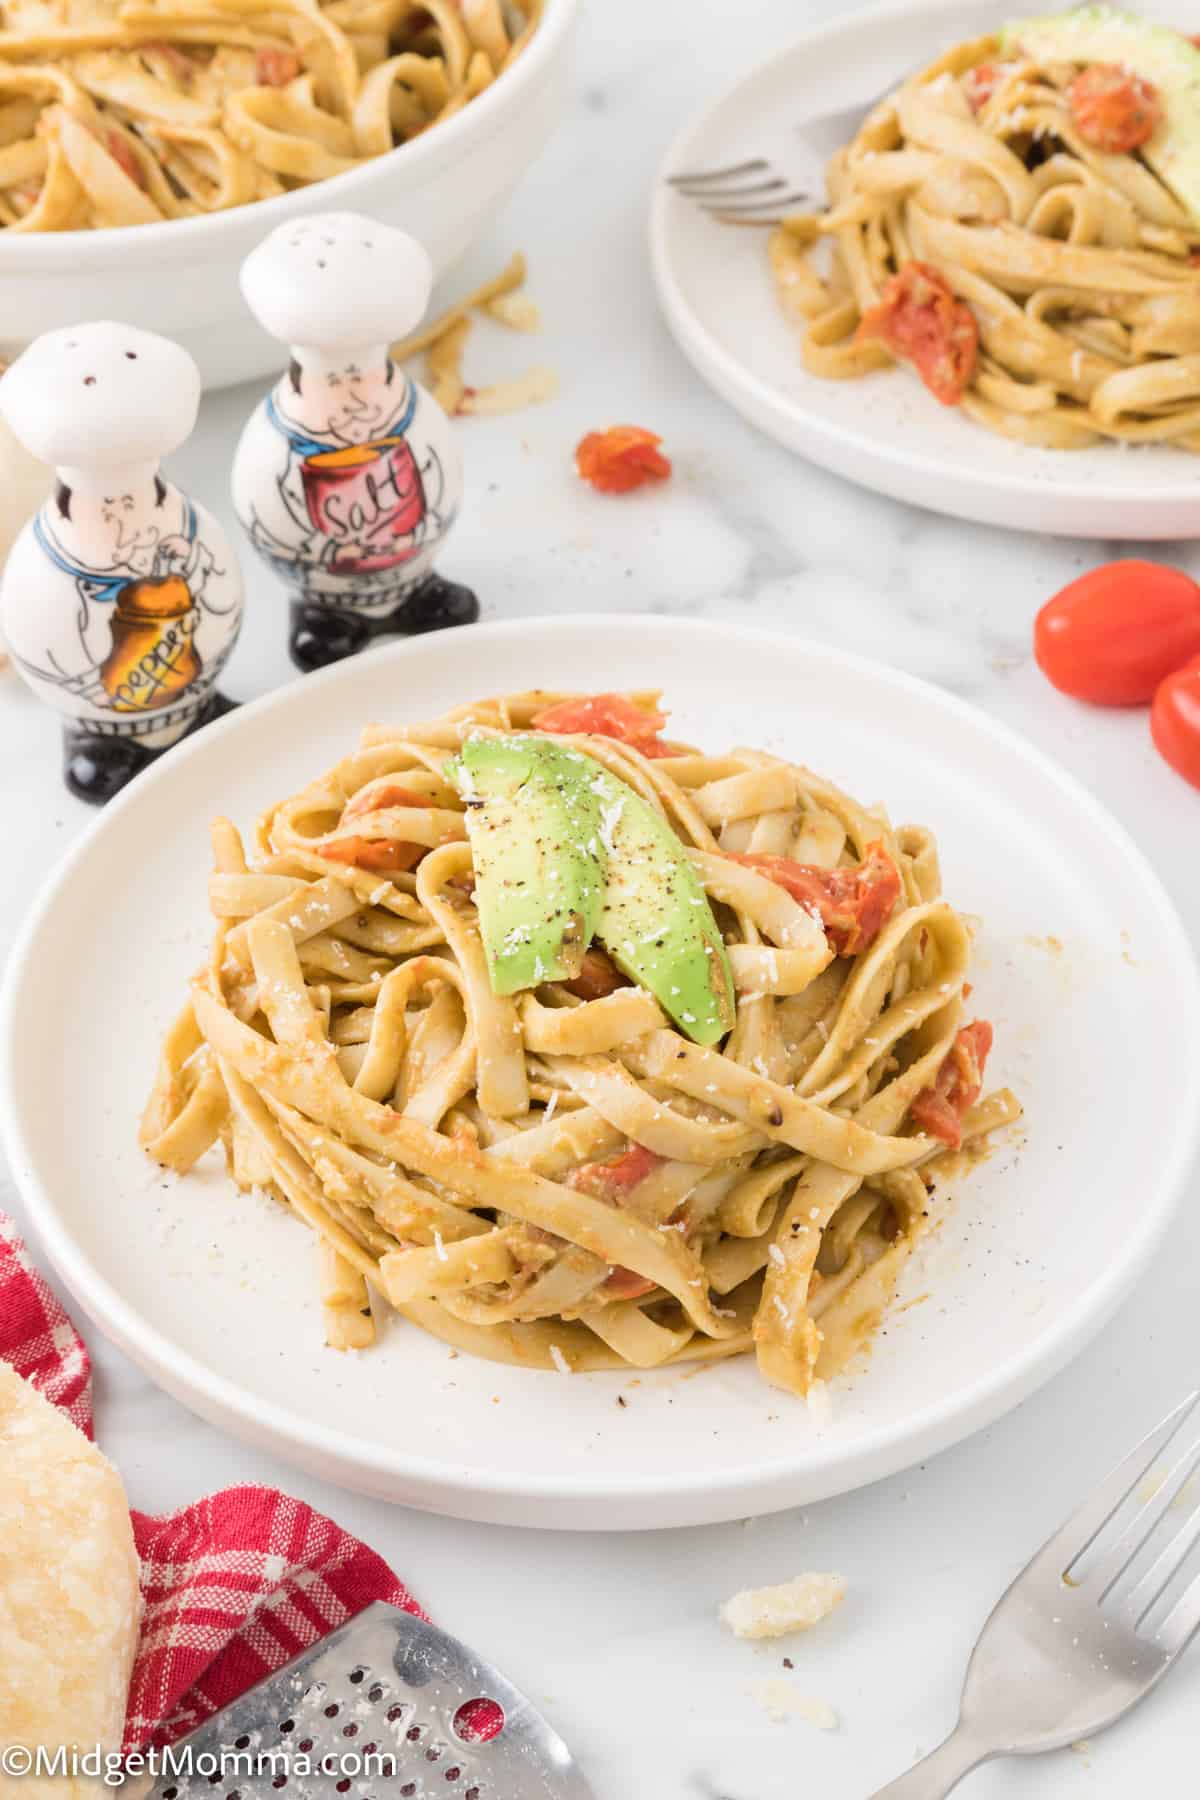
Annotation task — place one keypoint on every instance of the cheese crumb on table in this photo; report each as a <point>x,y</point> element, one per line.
<point>794,1606</point>
<point>781,1702</point>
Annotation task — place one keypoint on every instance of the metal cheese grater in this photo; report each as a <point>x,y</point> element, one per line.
<point>385,1684</point>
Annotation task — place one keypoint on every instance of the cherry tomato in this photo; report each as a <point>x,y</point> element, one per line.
<point>387,856</point>
<point>940,1109</point>
<point>980,84</point>
<point>598,976</point>
<point>1113,110</point>
<point>1175,721</point>
<point>607,715</point>
<point>275,66</point>
<point>1114,634</point>
<point>615,1179</point>
<point>621,458</point>
<point>124,158</point>
<point>852,903</point>
<point>922,320</point>
<point>380,855</point>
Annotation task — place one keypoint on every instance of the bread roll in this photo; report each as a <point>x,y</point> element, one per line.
<point>69,1604</point>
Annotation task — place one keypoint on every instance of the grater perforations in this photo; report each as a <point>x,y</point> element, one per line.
<point>384,1686</point>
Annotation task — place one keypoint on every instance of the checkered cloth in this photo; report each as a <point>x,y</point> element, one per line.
<point>232,1586</point>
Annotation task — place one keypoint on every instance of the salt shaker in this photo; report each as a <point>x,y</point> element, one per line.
<point>347,477</point>
<point>121,598</point>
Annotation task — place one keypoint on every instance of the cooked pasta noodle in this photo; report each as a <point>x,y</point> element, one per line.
<point>559,1178</point>
<point>1078,265</point>
<point>127,112</point>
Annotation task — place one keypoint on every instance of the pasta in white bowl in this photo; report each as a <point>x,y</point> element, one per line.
<point>168,254</point>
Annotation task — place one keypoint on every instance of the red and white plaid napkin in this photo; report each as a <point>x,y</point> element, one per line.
<point>234,1585</point>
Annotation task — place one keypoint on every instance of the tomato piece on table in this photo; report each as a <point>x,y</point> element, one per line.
<point>620,459</point>
<point>1113,109</point>
<point>598,977</point>
<point>607,715</point>
<point>1175,721</point>
<point>1114,634</point>
<point>852,903</point>
<point>921,320</point>
<point>940,1109</point>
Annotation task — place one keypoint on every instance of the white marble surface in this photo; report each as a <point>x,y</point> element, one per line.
<point>617,1635</point>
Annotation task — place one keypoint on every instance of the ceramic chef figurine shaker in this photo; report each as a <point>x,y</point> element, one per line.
<point>121,597</point>
<point>347,477</point>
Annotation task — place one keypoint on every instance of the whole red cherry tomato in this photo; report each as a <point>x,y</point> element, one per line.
<point>1114,634</point>
<point>1175,721</point>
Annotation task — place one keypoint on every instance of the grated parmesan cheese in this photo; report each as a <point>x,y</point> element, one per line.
<point>782,1702</point>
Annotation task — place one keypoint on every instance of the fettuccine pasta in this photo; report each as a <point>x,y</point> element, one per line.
<point>128,112</point>
<point>986,225</point>
<point>559,1177</point>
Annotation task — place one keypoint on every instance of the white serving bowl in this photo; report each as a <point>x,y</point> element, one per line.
<point>180,277</point>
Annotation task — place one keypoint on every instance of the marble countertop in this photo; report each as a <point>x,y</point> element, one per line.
<point>617,1635</point>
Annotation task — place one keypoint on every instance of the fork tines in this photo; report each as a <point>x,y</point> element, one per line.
<point>1126,1547</point>
<point>734,196</point>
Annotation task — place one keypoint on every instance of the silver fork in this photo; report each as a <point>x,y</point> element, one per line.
<point>1090,1625</point>
<point>752,193</point>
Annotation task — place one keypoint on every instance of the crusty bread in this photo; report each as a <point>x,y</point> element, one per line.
<point>69,1602</point>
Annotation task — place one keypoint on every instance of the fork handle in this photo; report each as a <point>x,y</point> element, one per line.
<point>938,1773</point>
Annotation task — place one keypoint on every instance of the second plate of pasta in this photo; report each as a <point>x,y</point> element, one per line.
<point>587,1213</point>
<point>1071,270</point>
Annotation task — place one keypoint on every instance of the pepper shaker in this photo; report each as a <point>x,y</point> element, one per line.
<point>347,477</point>
<point>121,597</point>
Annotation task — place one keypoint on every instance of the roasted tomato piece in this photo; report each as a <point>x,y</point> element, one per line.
<point>940,1109</point>
<point>387,856</point>
<point>124,158</point>
<point>981,82</point>
<point>381,855</point>
<point>607,715</point>
<point>598,976</point>
<point>852,903</point>
<point>1114,110</point>
<point>376,796</point>
<point>622,458</point>
<point>626,1284</point>
<point>921,320</point>
<point>274,66</point>
<point>615,1179</point>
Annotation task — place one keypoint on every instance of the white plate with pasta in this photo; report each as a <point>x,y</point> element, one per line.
<point>949,180</point>
<point>592,1250</point>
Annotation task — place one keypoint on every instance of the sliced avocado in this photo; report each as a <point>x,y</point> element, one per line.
<point>566,852</point>
<point>1103,34</point>
<point>655,921</point>
<point>531,821</point>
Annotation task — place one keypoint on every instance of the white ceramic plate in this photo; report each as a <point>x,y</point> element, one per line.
<point>213,1293</point>
<point>884,432</point>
